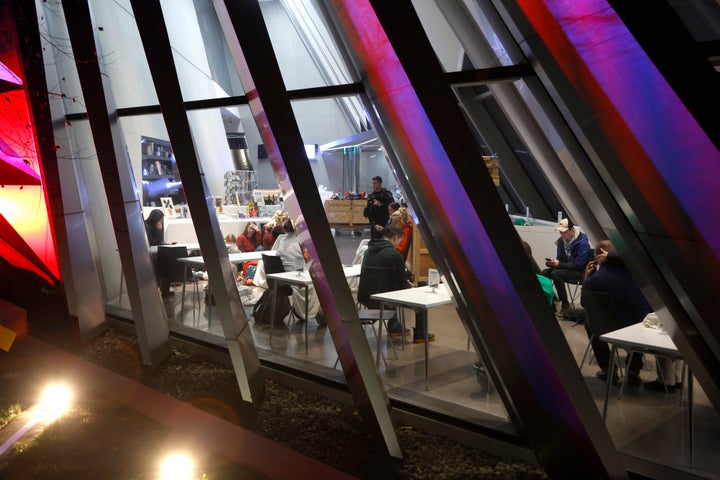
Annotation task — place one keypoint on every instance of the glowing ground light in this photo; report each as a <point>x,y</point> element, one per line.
<point>177,467</point>
<point>54,402</point>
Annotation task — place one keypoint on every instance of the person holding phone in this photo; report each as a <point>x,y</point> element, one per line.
<point>573,252</point>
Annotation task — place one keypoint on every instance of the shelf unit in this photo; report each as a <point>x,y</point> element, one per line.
<point>158,163</point>
<point>239,187</point>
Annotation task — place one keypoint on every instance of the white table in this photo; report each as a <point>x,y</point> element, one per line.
<point>417,299</point>
<point>241,257</point>
<point>182,230</point>
<point>199,262</point>
<point>301,279</point>
<point>653,341</point>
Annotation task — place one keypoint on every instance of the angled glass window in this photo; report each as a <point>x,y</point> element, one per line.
<point>305,49</point>
<point>204,66</point>
<point>121,54</point>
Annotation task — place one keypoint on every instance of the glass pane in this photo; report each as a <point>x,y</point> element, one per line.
<point>305,50</point>
<point>121,54</point>
<point>453,28</point>
<point>659,433</point>
<point>202,59</point>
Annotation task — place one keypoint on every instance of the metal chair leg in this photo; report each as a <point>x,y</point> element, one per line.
<point>587,350</point>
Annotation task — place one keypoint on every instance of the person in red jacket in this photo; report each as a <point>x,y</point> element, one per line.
<point>251,238</point>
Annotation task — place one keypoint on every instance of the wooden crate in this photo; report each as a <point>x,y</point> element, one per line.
<point>420,259</point>
<point>358,209</point>
<point>491,163</point>
<point>345,212</point>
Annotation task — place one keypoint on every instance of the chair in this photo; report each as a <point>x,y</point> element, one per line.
<point>368,317</point>
<point>573,290</point>
<point>273,264</point>
<point>602,317</point>
<point>379,280</point>
<point>170,271</point>
<point>359,255</point>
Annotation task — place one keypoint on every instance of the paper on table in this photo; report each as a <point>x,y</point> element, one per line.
<point>651,321</point>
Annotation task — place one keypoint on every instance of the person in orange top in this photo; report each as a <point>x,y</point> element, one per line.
<point>403,220</point>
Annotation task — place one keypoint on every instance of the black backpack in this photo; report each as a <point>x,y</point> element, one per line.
<point>262,310</point>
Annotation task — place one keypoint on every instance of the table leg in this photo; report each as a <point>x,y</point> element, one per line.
<point>209,304</point>
<point>427,327</point>
<point>182,297</point>
<point>307,320</point>
<point>623,381</point>
<point>272,310</point>
<point>611,371</point>
<point>379,338</point>
<point>691,423</point>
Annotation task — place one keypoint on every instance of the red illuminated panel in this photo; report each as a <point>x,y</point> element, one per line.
<point>26,239</point>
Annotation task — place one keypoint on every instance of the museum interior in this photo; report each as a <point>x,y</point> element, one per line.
<point>488,122</point>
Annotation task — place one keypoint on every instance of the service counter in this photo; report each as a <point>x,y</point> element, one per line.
<point>181,230</point>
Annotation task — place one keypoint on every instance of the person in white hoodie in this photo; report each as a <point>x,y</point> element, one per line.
<point>291,255</point>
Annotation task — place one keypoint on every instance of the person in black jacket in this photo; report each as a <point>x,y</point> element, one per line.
<point>608,274</point>
<point>376,210</point>
<point>383,270</point>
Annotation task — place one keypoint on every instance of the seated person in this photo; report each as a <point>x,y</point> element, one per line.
<point>383,270</point>
<point>291,255</point>
<point>573,251</point>
<point>545,283</point>
<point>392,208</point>
<point>155,227</point>
<point>251,239</point>
<point>608,274</point>
<point>230,244</point>
<point>669,373</point>
<point>273,229</point>
<point>402,219</point>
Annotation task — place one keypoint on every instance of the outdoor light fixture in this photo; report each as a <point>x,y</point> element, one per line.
<point>177,466</point>
<point>54,402</point>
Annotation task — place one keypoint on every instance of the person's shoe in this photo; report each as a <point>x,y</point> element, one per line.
<point>394,332</point>
<point>603,374</point>
<point>563,311</point>
<point>633,378</point>
<point>421,338</point>
<point>322,321</point>
<point>657,386</point>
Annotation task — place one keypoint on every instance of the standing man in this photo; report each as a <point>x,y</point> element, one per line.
<point>573,250</point>
<point>376,210</point>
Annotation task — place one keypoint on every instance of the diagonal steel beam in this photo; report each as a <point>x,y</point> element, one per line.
<point>479,250</point>
<point>658,162</point>
<point>125,211</point>
<point>156,43</point>
<point>249,42</point>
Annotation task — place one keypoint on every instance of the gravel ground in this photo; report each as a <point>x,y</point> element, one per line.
<point>307,423</point>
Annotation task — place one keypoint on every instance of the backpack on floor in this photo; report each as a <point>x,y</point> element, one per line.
<point>262,310</point>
